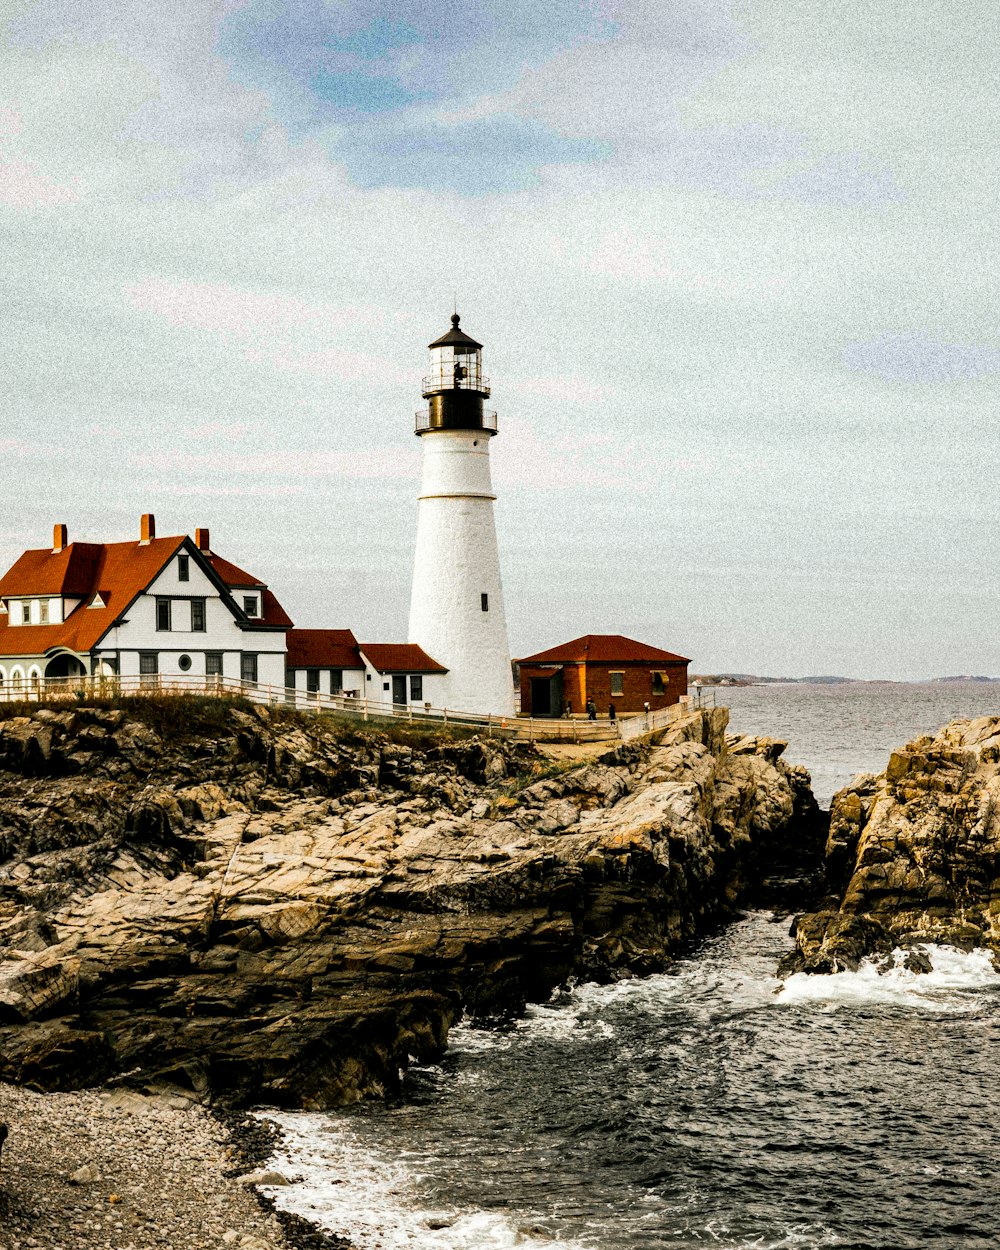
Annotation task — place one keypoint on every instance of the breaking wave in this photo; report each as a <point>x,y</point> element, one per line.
<point>711,1105</point>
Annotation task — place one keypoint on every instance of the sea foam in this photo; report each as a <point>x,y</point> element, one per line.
<point>949,987</point>
<point>348,1189</point>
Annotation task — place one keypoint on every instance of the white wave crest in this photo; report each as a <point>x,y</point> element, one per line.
<point>347,1189</point>
<point>955,975</point>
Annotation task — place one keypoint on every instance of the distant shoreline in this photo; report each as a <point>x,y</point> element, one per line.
<point>748,679</point>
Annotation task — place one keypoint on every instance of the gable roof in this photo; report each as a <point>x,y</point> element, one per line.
<point>604,649</point>
<point>322,648</point>
<point>230,575</point>
<point>272,614</point>
<point>119,571</point>
<point>399,657</point>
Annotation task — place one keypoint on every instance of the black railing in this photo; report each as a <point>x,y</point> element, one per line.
<point>423,422</point>
<point>444,380</point>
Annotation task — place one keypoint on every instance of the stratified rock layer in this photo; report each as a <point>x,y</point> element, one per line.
<point>913,854</point>
<point>274,909</point>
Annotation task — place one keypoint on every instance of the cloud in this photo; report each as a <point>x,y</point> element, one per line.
<point>665,222</point>
<point>916,357</point>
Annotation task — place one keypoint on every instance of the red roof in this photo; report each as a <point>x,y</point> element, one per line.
<point>322,648</point>
<point>120,571</point>
<point>604,649</point>
<point>399,657</point>
<point>66,572</point>
<point>230,575</point>
<point>235,578</point>
<point>272,613</point>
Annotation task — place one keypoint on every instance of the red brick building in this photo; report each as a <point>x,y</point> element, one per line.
<point>607,668</point>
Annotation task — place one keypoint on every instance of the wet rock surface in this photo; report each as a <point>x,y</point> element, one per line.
<point>271,908</point>
<point>913,856</point>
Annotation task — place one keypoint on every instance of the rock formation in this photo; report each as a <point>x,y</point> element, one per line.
<point>913,855</point>
<point>266,906</point>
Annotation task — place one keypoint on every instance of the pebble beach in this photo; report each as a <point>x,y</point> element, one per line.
<point>115,1170</point>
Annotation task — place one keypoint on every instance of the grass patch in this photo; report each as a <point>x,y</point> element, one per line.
<point>422,735</point>
<point>180,715</point>
<point>170,715</point>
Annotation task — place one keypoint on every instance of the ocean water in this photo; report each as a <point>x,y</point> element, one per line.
<point>839,731</point>
<point>708,1106</point>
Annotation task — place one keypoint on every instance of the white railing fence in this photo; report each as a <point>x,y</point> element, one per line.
<point>519,728</point>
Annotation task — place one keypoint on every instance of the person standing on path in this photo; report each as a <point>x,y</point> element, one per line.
<point>612,714</point>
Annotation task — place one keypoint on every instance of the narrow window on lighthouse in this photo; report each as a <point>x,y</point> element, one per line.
<point>484,602</point>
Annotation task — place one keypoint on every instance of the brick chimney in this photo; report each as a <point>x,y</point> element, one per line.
<point>202,540</point>
<point>60,538</point>
<point>147,528</point>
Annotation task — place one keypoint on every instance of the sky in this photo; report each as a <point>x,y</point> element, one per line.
<point>733,263</point>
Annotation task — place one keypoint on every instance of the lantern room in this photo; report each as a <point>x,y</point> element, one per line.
<point>455,388</point>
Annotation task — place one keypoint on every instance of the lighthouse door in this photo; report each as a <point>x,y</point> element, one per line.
<point>398,689</point>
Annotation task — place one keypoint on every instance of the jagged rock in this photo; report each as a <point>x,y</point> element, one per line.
<point>274,908</point>
<point>913,854</point>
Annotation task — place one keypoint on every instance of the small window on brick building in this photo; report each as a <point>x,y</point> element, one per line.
<point>659,683</point>
<point>617,683</point>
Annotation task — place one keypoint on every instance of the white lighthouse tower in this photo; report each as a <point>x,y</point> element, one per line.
<point>456,610</point>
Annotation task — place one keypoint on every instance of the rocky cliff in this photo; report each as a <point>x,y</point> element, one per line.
<point>913,855</point>
<point>268,907</point>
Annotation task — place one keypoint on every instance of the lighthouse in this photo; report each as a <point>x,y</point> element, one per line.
<point>456,608</point>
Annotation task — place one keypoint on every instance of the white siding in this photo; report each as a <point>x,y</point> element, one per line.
<point>221,633</point>
<point>456,562</point>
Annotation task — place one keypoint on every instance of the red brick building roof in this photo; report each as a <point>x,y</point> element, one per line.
<point>400,657</point>
<point>604,649</point>
<point>322,648</point>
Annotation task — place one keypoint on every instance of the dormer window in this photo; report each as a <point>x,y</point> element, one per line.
<point>43,612</point>
<point>250,605</point>
<point>25,613</point>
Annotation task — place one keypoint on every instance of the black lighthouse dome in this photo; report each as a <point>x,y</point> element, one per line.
<point>455,388</point>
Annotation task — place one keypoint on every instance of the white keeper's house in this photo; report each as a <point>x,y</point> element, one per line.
<point>171,607</point>
<point>333,662</point>
<point>153,606</point>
